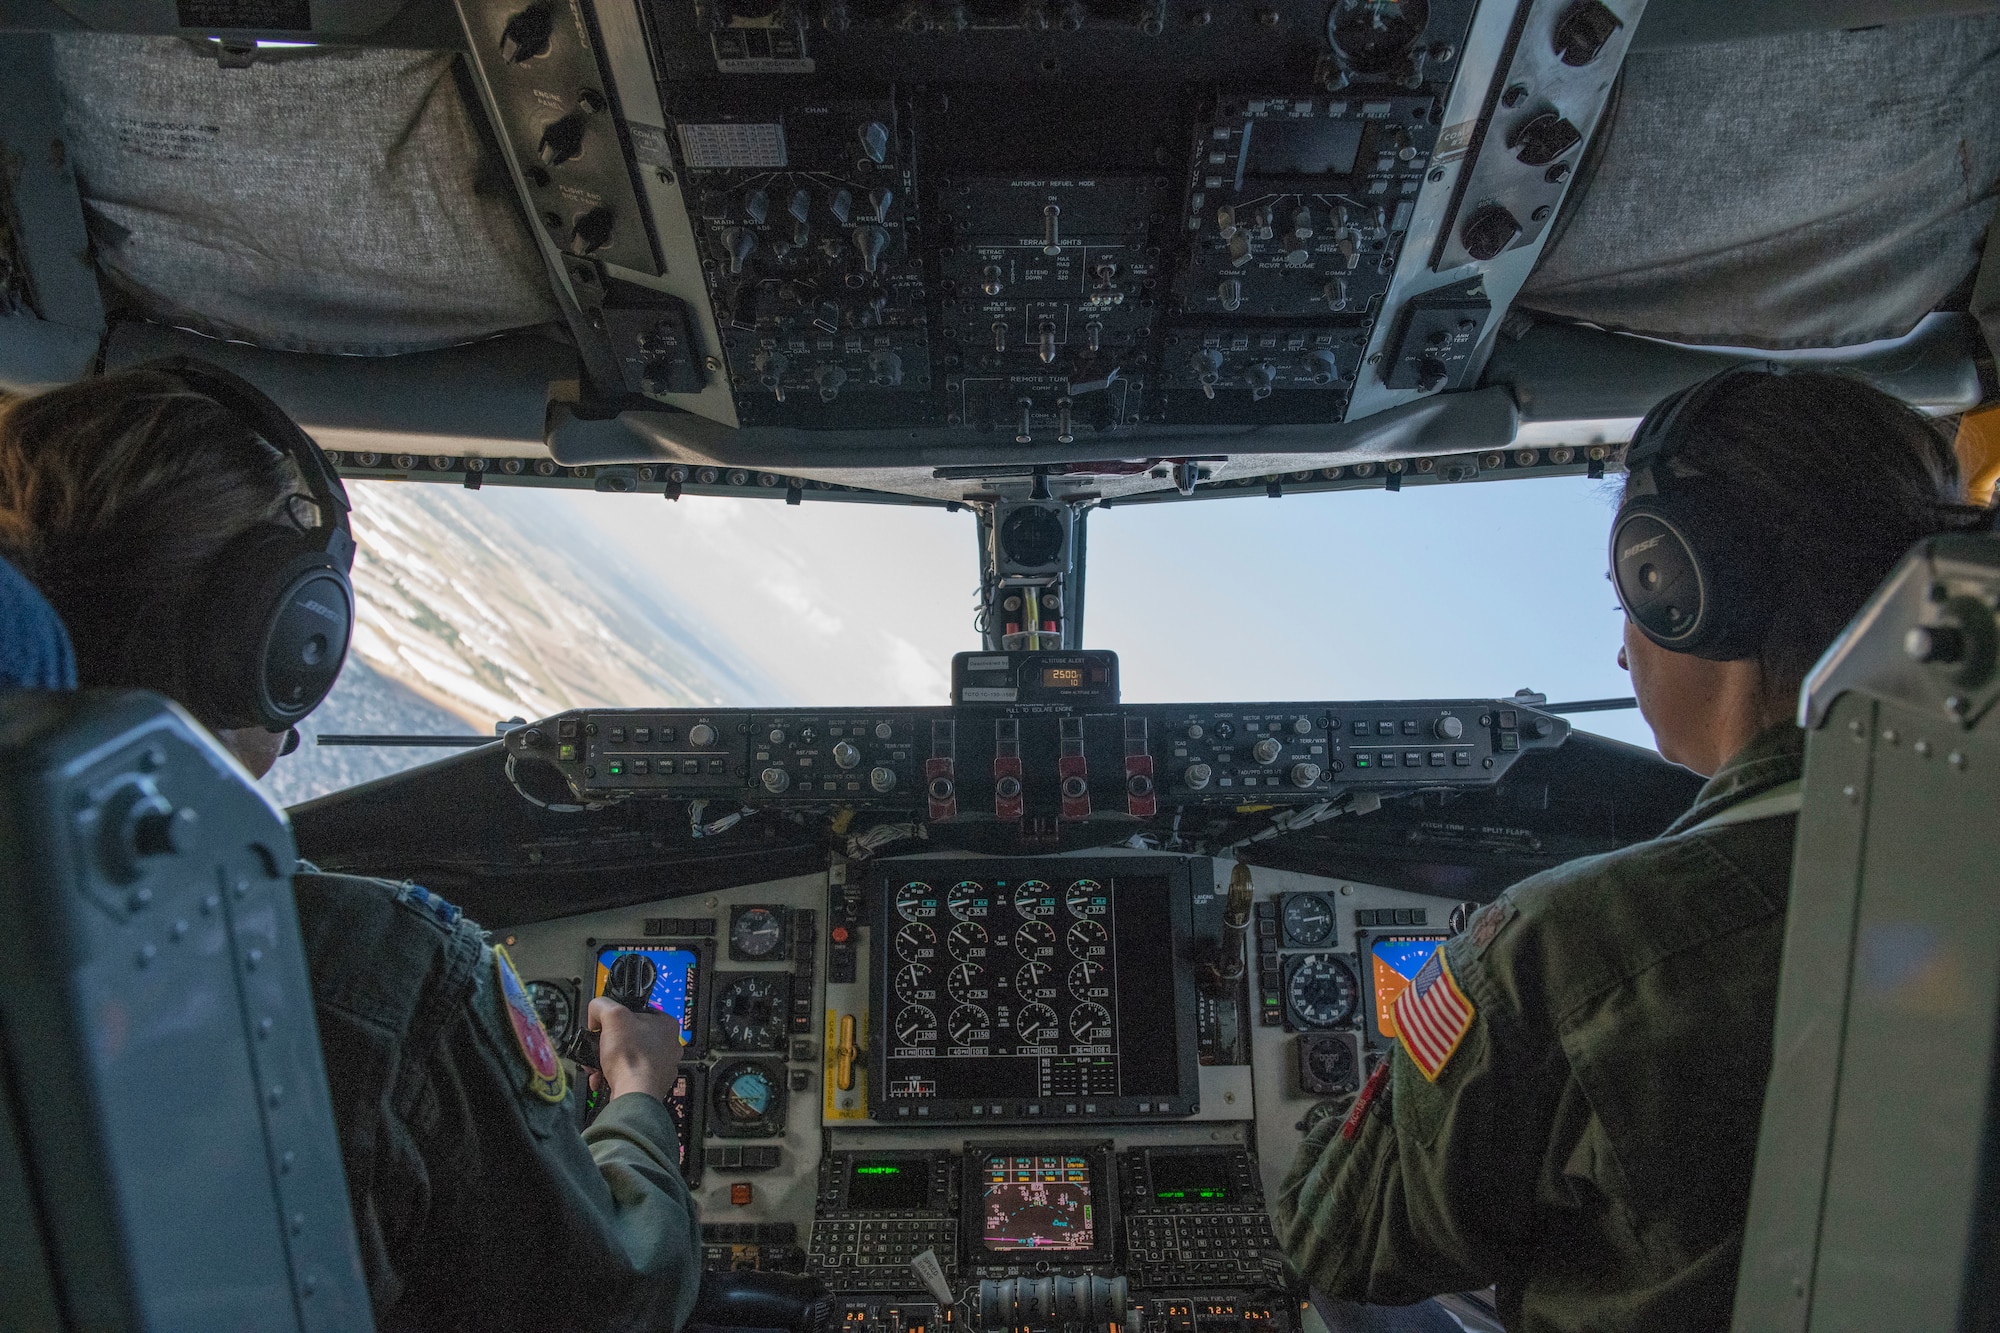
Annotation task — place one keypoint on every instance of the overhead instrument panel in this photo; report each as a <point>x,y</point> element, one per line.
<point>1033,993</point>
<point>1053,221</point>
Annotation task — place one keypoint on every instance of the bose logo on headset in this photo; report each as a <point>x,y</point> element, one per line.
<point>1641,548</point>
<point>275,614</point>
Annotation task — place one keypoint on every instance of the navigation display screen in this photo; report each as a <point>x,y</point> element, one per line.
<point>1058,987</point>
<point>1037,1202</point>
<point>1203,1177</point>
<point>665,974</point>
<point>1394,961</point>
<point>888,1184</point>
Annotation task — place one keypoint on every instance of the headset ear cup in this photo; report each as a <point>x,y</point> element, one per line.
<point>274,631</point>
<point>1689,584</point>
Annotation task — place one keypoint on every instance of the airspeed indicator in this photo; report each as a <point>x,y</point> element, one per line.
<point>1320,990</point>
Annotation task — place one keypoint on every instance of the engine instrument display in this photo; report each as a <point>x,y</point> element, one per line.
<point>1037,1201</point>
<point>1031,988</point>
<point>1393,963</point>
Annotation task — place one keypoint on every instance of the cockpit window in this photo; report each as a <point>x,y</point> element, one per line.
<point>475,607</point>
<point>1431,592</point>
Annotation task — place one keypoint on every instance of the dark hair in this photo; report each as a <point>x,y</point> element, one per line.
<point>1832,480</point>
<point>116,495</point>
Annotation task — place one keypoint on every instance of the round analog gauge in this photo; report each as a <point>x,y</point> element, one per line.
<point>749,1101</point>
<point>916,942</point>
<point>967,982</point>
<point>1087,897</point>
<point>968,940</point>
<point>916,1026</point>
<point>1086,980</point>
<point>752,1011</point>
<point>1088,939</point>
<point>555,1008</point>
<point>1034,898</point>
<point>1308,919</point>
<point>969,1026</point>
<point>1090,1024</point>
<point>1321,1110</point>
<point>914,983</point>
<point>1037,1025</point>
<point>916,900</point>
<point>1035,939</point>
<point>757,932</point>
<point>1326,1063</point>
<point>1035,980</point>
<point>968,900</point>
<point>1321,991</point>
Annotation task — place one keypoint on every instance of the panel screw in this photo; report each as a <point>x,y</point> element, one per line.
<point>1850,793</point>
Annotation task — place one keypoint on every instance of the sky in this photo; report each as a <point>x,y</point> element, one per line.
<point>1436,591</point>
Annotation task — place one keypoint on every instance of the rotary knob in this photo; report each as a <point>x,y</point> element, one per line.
<point>1304,775</point>
<point>1265,751</point>
<point>883,731</point>
<point>776,781</point>
<point>777,736</point>
<point>882,779</point>
<point>701,734</point>
<point>1448,728</point>
<point>1196,777</point>
<point>1302,726</point>
<point>845,755</point>
<point>1196,731</point>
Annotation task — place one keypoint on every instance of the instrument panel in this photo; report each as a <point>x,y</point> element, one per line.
<point>1014,997</point>
<point>1116,1109</point>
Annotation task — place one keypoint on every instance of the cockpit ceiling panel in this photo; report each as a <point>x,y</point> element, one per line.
<point>1752,193</point>
<point>344,201</point>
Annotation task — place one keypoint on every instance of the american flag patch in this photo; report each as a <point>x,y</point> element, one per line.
<point>1433,1016</point>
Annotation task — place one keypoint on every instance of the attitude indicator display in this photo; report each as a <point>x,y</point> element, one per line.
<point>1038,1202</point>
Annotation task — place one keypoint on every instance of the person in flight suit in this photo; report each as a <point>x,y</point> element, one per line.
<point>1572,1111</point>
<point>131,500</point>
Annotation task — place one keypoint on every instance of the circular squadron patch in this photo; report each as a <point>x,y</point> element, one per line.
<point>546,1078</point>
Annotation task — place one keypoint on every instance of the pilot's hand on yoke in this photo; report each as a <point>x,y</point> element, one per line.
<point>637,1052</point>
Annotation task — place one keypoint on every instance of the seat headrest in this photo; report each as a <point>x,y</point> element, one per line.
<point>35,652</point>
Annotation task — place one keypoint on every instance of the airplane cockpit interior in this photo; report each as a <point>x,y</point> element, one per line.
<point>1009,1011</point>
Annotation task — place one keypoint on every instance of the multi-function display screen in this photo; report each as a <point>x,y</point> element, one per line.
<point>1189,1177</point>
<point>1048,987</point>
<point>888,1184</point>
<point>1039,1202</point>
<point>1394,961</point>
<point>664,974</point>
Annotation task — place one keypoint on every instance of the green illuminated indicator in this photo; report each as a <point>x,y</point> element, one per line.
<point>1198,1194</point>
<point>878,1170</point>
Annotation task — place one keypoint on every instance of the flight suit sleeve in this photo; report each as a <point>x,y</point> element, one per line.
<point>528,1225</point>
<point>1430,1188</point>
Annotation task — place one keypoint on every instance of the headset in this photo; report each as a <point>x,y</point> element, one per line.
<point>273,616</point>
<point>1692,581</point>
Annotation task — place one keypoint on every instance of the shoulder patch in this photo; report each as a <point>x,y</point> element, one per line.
<point>546,1077</point>
<point>1432,1016</point>
<point>1488,922</point>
